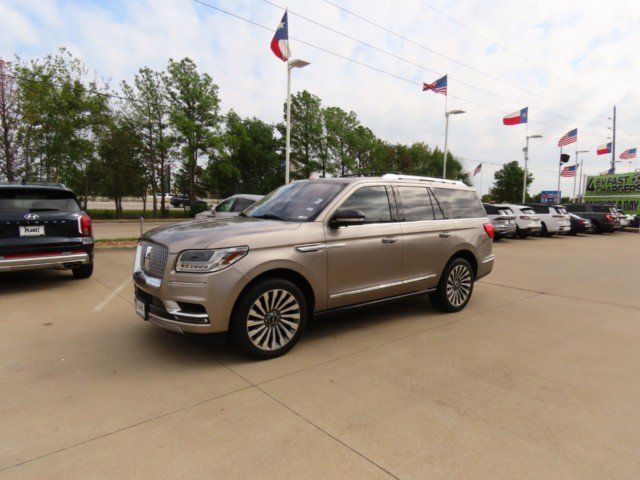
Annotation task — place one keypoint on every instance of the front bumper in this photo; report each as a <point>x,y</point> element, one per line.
<point>42,261</point>
<point>213,293</point>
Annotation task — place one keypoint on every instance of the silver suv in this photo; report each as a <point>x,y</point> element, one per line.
<point>314,247</point>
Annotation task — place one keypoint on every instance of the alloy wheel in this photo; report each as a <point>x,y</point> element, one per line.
<point>273,319</point>
<point>458,285</point>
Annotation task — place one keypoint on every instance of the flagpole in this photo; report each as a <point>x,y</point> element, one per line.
<point>559,176</point>
<point>575,174</point>
<point>446,136</point>
<point>481,174</point>
<point>526,161</point>
<point>580,183</point>
<point>288,127</point>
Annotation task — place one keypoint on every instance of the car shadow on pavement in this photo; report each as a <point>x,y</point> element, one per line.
<point>34,280</point>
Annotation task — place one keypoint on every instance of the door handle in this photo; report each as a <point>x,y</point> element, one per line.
<point>389,239</point>
<point>445,234</point>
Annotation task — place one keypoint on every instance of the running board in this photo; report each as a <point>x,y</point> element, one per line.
<point>332,311</point>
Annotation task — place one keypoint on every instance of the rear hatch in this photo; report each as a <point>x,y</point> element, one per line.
<point>561,214</point>
<point>38,220</point>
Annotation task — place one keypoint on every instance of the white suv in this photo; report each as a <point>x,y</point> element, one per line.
<point>527,222</point>
<point>554,218</point>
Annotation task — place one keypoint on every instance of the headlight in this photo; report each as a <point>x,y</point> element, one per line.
<point>206,261</point>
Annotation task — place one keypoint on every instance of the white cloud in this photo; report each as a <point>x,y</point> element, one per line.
<point>589,43</point>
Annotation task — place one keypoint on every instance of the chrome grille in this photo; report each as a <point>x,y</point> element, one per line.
<point>153,258</point>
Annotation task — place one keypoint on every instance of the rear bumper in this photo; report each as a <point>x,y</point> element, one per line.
<point>504,230</point>
<point>34,262</point>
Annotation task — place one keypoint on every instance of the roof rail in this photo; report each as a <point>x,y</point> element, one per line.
<point>417,178</point>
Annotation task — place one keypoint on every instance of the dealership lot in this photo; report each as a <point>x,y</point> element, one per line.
<point>536,378</point>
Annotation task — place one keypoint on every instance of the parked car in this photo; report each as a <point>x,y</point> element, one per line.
<point>602,216</point>
<point>314,247</point>
<point>230,207</point>
<point>553,218</point>
<point>503,220</point>
<point>527,222</point>
<point>182,201</point>
<point>42,226</point>
<point>625,221</point>
<point>579,224</point>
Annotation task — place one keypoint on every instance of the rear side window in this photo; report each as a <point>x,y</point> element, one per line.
<point>491,209</point>
<point>576,208</point>
<point>540,208</point>
<point>601,208</point>
<point>459,203</point>
<point>241,204</point>
<point>15,200</point>
<point>416,204</point>
<point>372,201</point>
<point>225,206</point>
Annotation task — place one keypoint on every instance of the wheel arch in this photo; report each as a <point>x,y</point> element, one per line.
<point>469,256</point>
<point>279,273</point>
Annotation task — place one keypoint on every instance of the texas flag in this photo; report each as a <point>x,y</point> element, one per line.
<point>516,118</point>
<point>280,41</point>
<point>604,149</point>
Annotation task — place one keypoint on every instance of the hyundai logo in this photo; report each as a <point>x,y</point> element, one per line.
<point>32,216</point>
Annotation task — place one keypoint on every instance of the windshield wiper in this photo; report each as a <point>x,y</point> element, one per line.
<point>269,216</point>
<point>44,209</point>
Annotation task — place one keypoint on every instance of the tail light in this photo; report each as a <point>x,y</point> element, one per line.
<point>488,227</point>
<point>525,217</point>
<point>609,217</point>
<point>84,225</point>
<point>559,216</point>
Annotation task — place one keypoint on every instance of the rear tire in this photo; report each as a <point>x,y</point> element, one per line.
<point>455,287</point>
<point>83,271</point>
<point>269,319</point>
<point>545,231</point>
<point>521,233</point>
<point>597,228</point>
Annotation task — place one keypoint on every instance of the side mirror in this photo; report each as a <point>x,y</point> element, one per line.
<point>344,218</point>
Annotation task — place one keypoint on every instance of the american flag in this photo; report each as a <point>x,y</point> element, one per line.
<point>628,154</point>
<point>439,86</point>
<point>568,171</point>
<point>570,137</point>
<point>477,170</point>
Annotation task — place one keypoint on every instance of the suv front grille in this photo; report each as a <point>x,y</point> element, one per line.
<point>153,258</point>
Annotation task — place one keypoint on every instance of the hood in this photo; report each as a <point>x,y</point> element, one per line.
<point>216,232</point>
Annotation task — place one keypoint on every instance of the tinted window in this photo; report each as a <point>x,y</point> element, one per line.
<point>241,204</point>
<point>540,208</point>
<point>528,211</point>
<point>225,206</point>
<point>299,201</point>
<point>416,204</point>
<point>575,208</point>
<point>506,211</point>
<point>560,210</point>
<point>372,201</point>
<point>18,201</point>
<point>601,208</point>
<point>459,203</point>
<point>437,211</point>
<point>491,209</point>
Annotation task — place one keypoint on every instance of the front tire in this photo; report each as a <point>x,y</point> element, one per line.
<point>269,319</point>
<point>83,271</point>
<point>455,287</point>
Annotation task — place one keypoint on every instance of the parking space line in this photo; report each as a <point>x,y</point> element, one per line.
<point>112,295</point>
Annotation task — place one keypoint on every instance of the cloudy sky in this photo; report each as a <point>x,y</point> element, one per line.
<point>569,61</point>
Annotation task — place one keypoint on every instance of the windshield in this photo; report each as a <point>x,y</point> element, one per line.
<point>19,201</point>
<point>300,201</point>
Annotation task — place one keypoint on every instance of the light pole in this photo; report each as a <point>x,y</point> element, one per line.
<point>576,173</point>
<point>291,64</point>
<point>526,167</point>
<point>446,138</point>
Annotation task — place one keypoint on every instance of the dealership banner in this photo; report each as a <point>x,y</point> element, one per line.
<point>621,190</point>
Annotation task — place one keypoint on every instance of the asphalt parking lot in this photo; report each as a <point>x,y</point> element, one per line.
<point>536,378</point>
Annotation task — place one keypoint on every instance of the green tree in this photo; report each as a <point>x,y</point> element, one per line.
<point>306,134</point>
<point>9,122</point>
<point>507,186</point>
<point>340,128</point>
<point>251,160</point>
<point>62,113</point>
<point>194,108</point>
<point>147,107</point>
<point>119,165</point>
